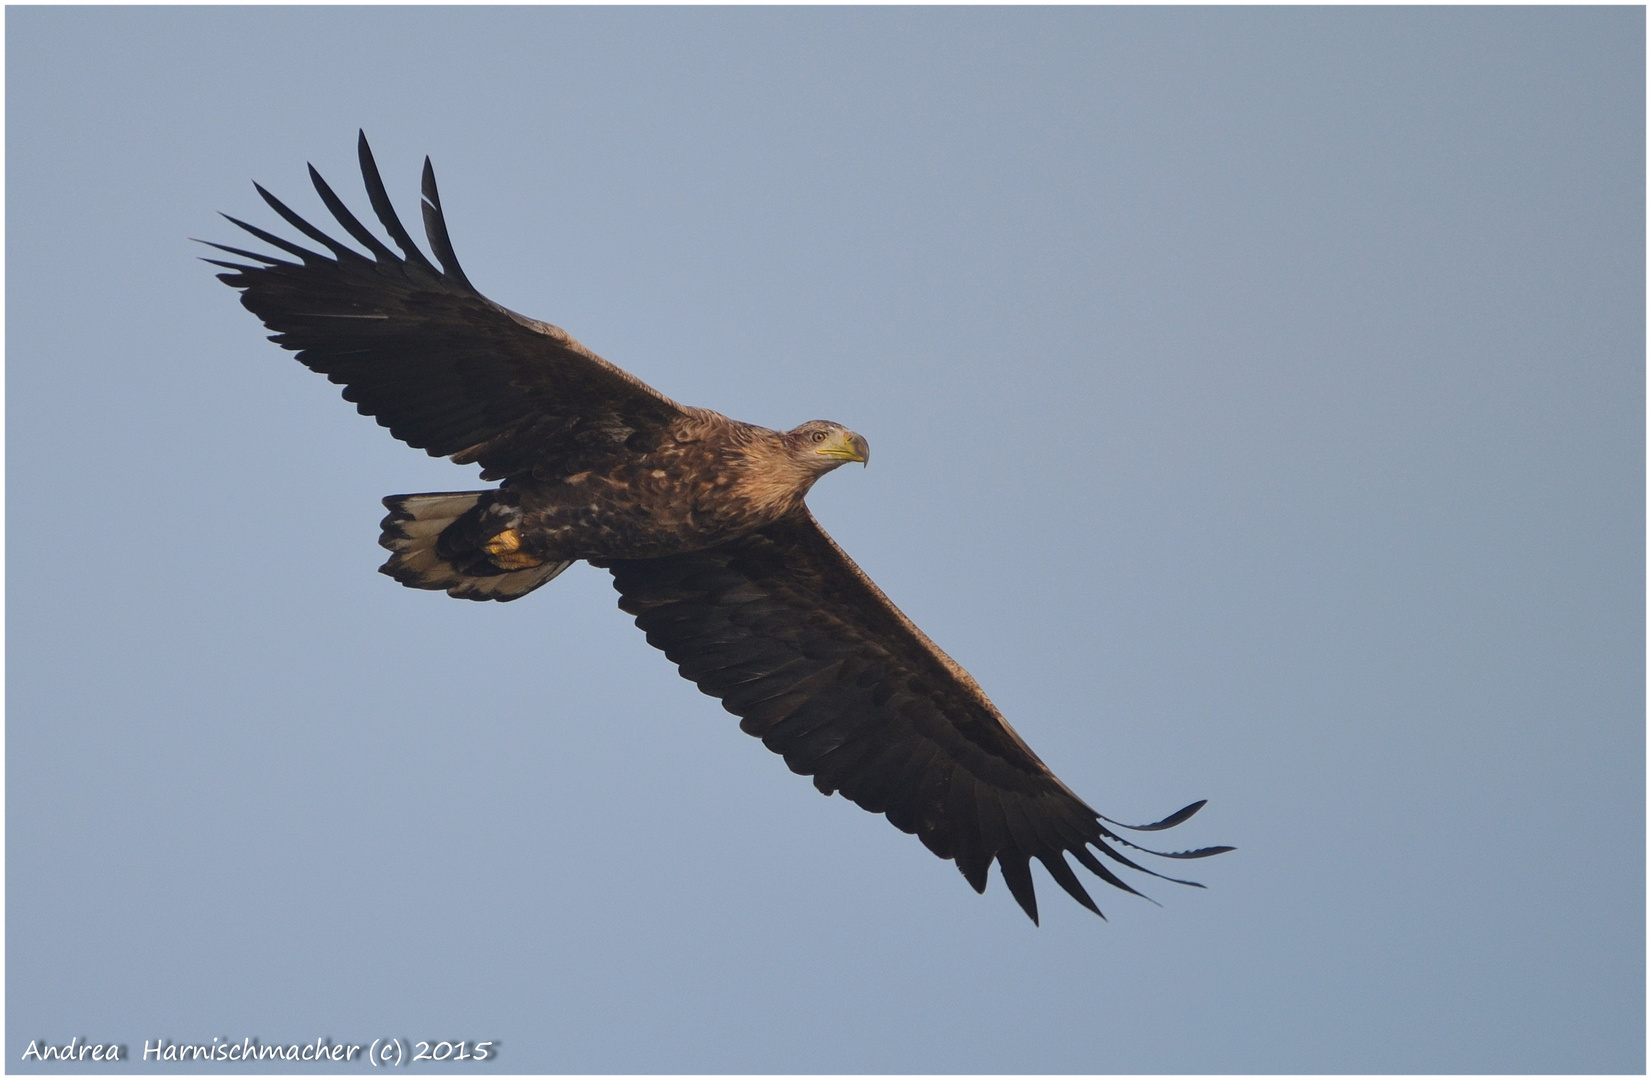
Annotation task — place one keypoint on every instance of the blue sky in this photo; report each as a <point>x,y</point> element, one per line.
<point>1257,399</point>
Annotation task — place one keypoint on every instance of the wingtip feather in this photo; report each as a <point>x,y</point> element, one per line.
<point>386,211</point>
<point>1167,823</point>
<point>1017,874</point>
<point>435,228</point>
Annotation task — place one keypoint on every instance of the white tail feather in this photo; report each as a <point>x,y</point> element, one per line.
<point>414,526</point>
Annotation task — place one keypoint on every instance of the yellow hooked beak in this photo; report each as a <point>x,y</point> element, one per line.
<point>847,446</point>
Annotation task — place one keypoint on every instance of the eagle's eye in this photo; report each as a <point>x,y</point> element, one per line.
<point>819,436</point>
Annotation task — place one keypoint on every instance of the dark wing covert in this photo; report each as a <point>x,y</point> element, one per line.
<point>797,641</point>
<point>418,348</point>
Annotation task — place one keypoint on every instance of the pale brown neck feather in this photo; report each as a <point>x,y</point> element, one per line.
<point>775,481</point>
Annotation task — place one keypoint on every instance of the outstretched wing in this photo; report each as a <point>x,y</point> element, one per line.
<point>417,347</point>
<point>815,660</point>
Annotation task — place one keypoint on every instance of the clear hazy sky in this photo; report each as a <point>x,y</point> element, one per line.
<point>1256,399</point>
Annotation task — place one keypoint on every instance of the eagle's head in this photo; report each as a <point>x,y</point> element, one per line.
<point>781,466</point>
<point>822,446</point>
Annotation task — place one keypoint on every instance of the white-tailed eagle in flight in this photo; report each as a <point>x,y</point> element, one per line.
<point>701,521</point>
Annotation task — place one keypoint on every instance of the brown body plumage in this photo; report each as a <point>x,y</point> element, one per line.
<point>699,518</point>
<point>697,482</point>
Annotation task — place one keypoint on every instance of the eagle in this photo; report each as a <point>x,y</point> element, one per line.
<point>701,520</point>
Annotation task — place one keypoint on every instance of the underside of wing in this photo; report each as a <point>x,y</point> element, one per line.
<point>797,642</point>
<point>418,348</point>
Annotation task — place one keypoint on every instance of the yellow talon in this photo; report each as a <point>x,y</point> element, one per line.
<point>506,549</point>
<point>504,543</point>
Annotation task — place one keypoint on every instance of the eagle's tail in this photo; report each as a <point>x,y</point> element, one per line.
<point>462,541</point>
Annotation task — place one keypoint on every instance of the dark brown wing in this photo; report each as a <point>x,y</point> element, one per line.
<point>418,348</point>
<point>815,660</point>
